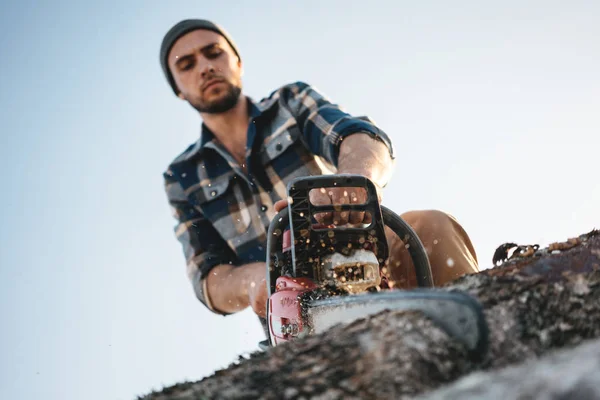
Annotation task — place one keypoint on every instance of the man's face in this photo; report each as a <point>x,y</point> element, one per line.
<point>206,71</point>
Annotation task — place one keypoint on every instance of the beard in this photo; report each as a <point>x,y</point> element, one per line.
<point>222,104</point>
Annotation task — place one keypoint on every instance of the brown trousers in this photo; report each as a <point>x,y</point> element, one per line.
<point>450,251</point>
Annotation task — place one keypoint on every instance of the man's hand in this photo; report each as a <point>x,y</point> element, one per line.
<point>338,196</point>
<point>232,289</point>
<point>360,154</point>
<point>258,295</point>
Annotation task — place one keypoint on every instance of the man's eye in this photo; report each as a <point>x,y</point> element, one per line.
<point>186,66</point>
<point>214,53</point>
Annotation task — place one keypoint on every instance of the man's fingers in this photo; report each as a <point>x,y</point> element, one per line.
<point>357,196</point>
<point>340,196</point>
<point>258,296</point>
<point>280,205</point>
<point>262,298</point>
<point>320,197</point>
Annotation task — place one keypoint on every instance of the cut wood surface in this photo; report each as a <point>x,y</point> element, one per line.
<point>535,302</point>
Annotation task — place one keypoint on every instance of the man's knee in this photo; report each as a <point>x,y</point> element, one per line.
<point>438,229</point>
<point>428,220</point>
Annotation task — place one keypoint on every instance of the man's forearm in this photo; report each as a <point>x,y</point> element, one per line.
<point>363,155</point>
<point>227,286</point>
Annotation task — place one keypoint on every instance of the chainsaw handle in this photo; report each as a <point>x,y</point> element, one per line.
<point>302,211</point>
<point>274,244</point>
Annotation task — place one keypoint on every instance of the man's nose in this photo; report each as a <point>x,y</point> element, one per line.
<point>208,69</point>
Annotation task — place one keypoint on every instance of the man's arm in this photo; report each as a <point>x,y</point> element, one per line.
<point>325,127</point>
<point>363,155</point>
<point>219,284</point>
<point>360,154</point>
<point>232,289</point>
<point>355,145</point>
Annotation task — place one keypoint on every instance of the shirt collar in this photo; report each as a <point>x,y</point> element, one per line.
<point>255,110</point>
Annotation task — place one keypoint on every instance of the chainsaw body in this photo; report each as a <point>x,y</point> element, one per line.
<point>308,261</point>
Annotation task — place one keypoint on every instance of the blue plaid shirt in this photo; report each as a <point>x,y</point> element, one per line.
<point>222,212</point>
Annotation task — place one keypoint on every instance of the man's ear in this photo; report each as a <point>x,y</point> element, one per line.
<point>241,67</point>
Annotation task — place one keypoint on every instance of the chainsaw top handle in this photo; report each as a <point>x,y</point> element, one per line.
<point>306,236</point>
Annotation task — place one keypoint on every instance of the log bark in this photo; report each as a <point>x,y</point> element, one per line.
<point>535,302</point>
<point>572,373</point>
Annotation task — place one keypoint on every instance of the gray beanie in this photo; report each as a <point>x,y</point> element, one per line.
<point>180,29</point>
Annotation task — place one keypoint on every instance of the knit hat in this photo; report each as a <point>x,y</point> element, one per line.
<point>180,29</point>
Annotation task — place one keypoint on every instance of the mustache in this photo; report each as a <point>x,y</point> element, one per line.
<point>212,79</point>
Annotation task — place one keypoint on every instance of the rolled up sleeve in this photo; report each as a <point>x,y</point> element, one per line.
<point>324,124</point>
<point>203,247</point>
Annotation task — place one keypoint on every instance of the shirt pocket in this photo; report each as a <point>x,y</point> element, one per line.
<point>288,156</point>
<point>222,202</point>
<point>280,144</point>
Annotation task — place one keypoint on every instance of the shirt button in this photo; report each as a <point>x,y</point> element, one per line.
<point>263,208</point>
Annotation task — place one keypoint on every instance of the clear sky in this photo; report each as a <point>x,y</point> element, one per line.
<point>494,111</point>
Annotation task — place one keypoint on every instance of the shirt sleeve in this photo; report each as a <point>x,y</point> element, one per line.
<point>324,124</point>
<point>203,247</point>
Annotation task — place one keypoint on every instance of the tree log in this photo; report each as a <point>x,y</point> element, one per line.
<point>536,301</point>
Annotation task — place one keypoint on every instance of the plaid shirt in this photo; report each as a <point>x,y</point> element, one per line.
<point>223,213</point>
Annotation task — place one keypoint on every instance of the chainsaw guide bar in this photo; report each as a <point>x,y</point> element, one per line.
<point>456,313</point>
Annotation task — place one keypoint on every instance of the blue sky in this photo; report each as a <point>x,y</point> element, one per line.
<point>493,111</point>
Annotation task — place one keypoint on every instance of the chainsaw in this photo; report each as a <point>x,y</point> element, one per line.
<point>321,275</point>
